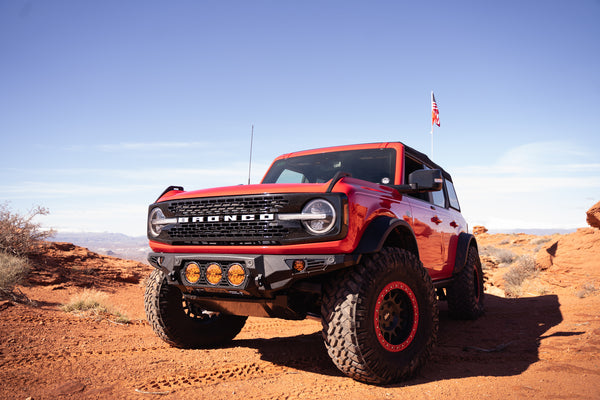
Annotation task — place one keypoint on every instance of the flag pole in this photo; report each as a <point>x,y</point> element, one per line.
<point>432,141</point>
<point>432,125</point>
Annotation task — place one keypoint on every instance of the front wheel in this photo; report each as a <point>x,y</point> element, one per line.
<point>380,319</point>
<point>184,324</point>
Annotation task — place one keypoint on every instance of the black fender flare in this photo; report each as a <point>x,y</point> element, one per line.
<point>378,231</point>
<point>465,241</point>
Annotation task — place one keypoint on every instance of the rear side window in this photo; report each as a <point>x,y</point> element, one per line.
<point>411,166</point>
<point>438,198</point>
<point>452,196</point>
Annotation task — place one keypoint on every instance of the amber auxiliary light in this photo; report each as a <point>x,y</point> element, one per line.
<point>192,272</point>
<point>236,274</point>
<point>214,274</point>
<point>299,265</point>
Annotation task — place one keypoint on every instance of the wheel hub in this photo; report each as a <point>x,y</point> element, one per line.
<point>396,316</point>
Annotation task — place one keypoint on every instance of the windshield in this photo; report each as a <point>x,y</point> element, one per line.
<point>373,165</point>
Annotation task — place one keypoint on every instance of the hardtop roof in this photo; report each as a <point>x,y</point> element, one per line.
<point>415,154</point>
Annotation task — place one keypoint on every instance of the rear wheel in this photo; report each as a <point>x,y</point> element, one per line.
<point>380,319</point>
<point>184,324</point>
<point>465,295</point>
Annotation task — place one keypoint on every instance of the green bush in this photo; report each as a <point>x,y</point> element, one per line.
<point>19,234</point>
<point>13,270</point>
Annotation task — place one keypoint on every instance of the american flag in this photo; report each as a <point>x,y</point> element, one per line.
<point>435,112</point>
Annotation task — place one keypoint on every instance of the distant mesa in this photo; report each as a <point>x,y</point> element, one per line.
<point>478,229</point>
<point>593,216</point>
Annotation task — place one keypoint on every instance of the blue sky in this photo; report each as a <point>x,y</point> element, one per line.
<point>105,103</point>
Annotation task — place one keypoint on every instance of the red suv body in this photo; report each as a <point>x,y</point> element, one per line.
<point>318,218</point>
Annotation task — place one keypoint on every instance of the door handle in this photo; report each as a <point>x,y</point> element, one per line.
<point>436,220</point>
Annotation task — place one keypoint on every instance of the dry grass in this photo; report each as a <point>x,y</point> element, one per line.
<point>13,270</point>
<point>522,269</point>
<point>540,240</point>
<point>94,304</point>
<point>504,257</point>
<point>586,290</point>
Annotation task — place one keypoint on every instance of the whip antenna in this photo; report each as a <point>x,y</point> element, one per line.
<point>250,162</point>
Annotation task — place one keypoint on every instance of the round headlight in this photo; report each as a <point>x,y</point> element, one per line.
<point>236,274</point>
<point>324,219</point>
<point>153,226</point>
<point>214,274</point>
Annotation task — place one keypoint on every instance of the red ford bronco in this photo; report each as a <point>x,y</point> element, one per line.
<point>366,238</point>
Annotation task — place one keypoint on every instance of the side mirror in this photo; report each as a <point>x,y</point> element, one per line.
<point>423,180</point>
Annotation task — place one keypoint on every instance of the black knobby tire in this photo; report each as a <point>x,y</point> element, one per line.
<point>465,295</point>
<point>380,319</point>
<point>183,324</point>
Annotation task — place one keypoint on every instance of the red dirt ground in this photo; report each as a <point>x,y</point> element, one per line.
<point>545,344</point>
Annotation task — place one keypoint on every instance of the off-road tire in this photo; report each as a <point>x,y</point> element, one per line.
<point>465,295</point>
<point>380,319</point>
<point>181,324</point>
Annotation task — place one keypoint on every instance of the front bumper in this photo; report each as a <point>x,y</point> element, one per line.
<point>264,274</point>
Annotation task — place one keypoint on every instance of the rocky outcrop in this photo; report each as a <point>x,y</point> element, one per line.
<point>593,216</point>
<point>570,251</point>
<point>478,229</point>
<point>60,262</point>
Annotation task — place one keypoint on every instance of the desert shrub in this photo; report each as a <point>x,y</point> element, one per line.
<point>503,256</point>
<point>522,269</point>
<point>93,303</point>
<point>543,290</point>
<point>540,240</point>
<point>586,290</point>
<point>13,270</point>
<point>20,235</point>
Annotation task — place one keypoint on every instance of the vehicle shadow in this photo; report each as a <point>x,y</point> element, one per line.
<point>301,352</point>
<point>503,342</point>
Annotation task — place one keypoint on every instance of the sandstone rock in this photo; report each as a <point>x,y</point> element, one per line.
<point>478,229</point>
<point>593,216</point>
<point>570,252</point>
<point>62,246</point>
<point>545,257</point>
<point>5,304</point>
<point>489,262</point>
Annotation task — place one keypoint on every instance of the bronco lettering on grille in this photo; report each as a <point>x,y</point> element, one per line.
<point>227,218</point>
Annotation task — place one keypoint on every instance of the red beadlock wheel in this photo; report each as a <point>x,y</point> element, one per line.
<point>380,319</point>
<point>396,316</point>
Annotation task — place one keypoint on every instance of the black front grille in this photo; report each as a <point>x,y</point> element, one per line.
<point>241,220</point>
<point>254,231</point>
<point>228,205</point>
<point>223,220</point>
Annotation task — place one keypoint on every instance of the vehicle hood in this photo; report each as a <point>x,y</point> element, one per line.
<point>241,190</point>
